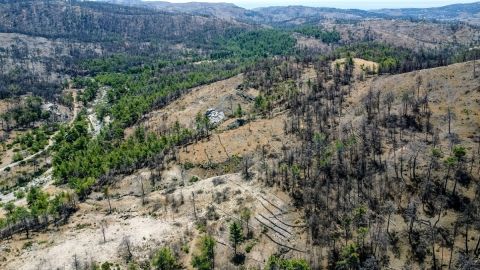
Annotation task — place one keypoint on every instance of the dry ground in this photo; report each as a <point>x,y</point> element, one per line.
<point>310,43</point>
<point>361,66</point>
<point>168,219</point>
<point>241,141</point>
<point>222,96</point>
<point>158,223</point>
<point>452,86</point>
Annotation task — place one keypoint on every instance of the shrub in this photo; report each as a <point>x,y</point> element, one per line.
<point>276,263</point>
<point>164,259</point>
<point>17,157</point>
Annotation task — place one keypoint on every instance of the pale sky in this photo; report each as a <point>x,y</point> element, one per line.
<point>370,4</point>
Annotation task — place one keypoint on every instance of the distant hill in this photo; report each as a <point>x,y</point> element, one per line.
<point>41,42</point>
<point>293,15</point>
<point>224,11</point>
<point>265,15</point>
<point>464,12</point>
<point>95,21</point>
<point>303,14</point>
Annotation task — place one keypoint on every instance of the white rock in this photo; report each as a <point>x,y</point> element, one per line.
<point>215,117</point>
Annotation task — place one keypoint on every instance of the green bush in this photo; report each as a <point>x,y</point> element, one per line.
<point>164,259</point>
<point>204,260</point>
<point>194,179</point>
<point>318,33</point>
<point>17,157</point>
<point>276,263</point>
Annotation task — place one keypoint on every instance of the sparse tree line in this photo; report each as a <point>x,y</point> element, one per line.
<point>319,33</point>
<point>81,160</point>
<point>203,257</point>
<point>22,80</point>
<point>41,211</point>
<point>24,114</point>
<point>35,140</point>
<point>77,20</point>
<point>351,177</point>
<point>339,174</point>
<point>395,59</point>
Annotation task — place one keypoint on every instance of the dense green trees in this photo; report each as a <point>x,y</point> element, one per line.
<point>164,259</point>
<point>123,63</point>
<point>236,236</point>
<point>254,44</point>
<point>277,263</point>
<point>395,59</point>
<point>205,259</point>
<point>90,89</point>
<point>132,95</point>
<point>24,114</point>
<point>80,160</point>
<point>319,33</point>
<point>41,210</point>
<point>35,140</point>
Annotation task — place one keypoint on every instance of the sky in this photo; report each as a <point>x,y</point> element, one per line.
<point>370,4</point>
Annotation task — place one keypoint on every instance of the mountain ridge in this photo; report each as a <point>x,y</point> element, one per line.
<point>274,14</point>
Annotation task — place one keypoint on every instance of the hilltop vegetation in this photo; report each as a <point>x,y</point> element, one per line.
<point>291,15</point>
<point>99,22</point>
<point>464,12</point>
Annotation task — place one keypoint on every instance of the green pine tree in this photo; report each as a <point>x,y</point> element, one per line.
<point>164,259</point>
<point>236,235</point>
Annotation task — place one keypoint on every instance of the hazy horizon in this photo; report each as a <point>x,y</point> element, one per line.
<point>373,4</point>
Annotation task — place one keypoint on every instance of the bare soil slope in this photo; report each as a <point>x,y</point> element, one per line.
<point>151,213</point>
